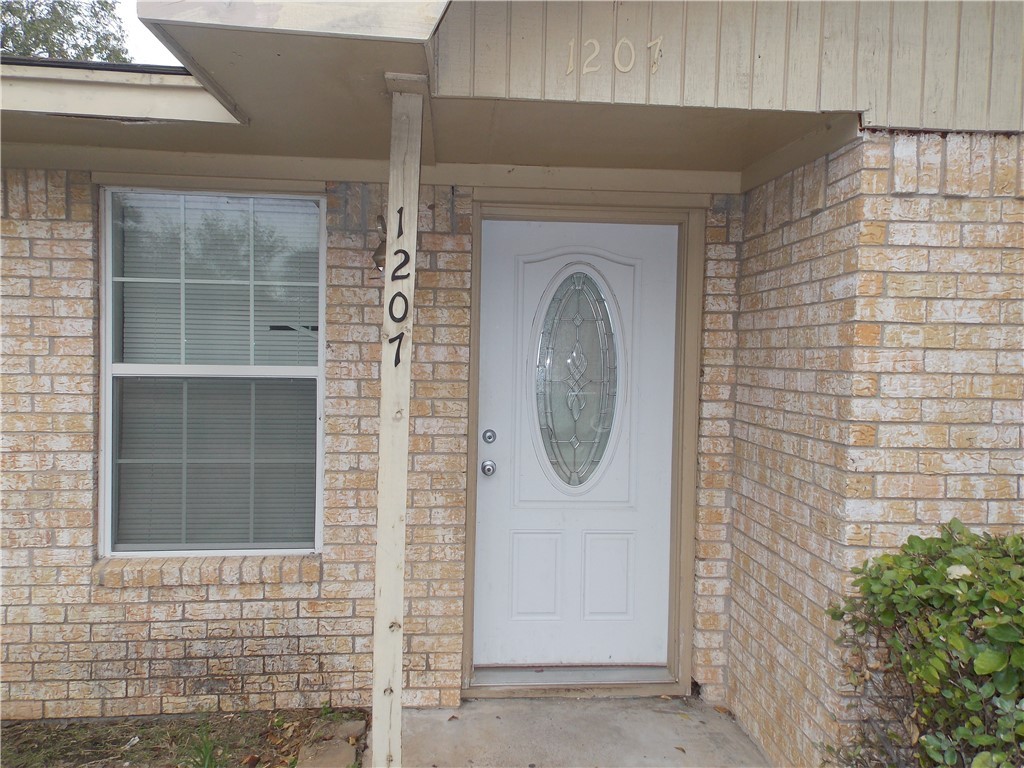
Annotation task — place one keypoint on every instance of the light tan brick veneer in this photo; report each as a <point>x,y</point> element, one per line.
<point>862,379</point>
<point>88,637</point>
<point>879,393</point>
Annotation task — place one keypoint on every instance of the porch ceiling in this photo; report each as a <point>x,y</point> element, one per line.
<point>324,96</point>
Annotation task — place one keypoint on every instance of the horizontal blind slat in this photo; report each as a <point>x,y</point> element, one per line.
<point>286,325</point>
<point>150,417</point>
<point>286,420</point>
<point>285,502</point>
<point>185,457</point>
<point>151,330</point>
<point>148,504</point>
<point>217,324</point>
<point>220,462</point>
<point>219,419</point>
<point>217,503</point>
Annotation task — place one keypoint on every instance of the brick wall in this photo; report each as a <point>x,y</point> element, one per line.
<point>439,423</point>
<point>716,446</point>
<point>162,635</point>
<point>942,342</point>
<point>862,379</point>
<point>49,435</point>
<point>797,288</point>
<point>879,387</point>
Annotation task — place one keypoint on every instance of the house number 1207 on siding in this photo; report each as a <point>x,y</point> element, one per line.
<point>624,56</point>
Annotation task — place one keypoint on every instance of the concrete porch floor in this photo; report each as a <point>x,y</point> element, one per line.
<point>564,733</point>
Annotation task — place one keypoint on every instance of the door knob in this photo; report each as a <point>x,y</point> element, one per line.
<point>488,468</point>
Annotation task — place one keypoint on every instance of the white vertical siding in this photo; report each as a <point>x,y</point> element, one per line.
<point>700,54</point>
<point>490,51</point>
<point>838,73</point>
<point>526,48</point>
<point>1006,93</point>
<point>735,43</point>
<point>768,88</point>
<point>908,20</point>
<point>561,53</point>
<point>908,64</point>
<point>666,77</point>
<point>874,59</point>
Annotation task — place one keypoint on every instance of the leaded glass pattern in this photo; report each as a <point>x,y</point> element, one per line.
<point>576,378</point>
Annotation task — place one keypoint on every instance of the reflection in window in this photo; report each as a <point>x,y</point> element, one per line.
<point>214,333</point>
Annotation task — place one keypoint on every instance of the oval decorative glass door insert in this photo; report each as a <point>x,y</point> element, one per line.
<point>576,378</point>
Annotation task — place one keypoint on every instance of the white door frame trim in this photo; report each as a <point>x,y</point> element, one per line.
<point>689,306</point>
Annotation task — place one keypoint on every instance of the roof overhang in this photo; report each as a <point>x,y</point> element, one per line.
<point>309,80</point>
<point>109,94</point>
<point>397,21</point>
<point>239,51</point>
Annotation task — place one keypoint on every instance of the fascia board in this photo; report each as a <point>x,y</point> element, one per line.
<point>396,21</point>
<point>109,95</point>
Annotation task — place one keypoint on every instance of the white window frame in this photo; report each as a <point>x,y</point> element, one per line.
<point>110,369</point>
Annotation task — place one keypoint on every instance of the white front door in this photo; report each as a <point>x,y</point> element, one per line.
<point>576,394</point>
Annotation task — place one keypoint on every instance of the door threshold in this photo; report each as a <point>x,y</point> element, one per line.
<point>564,676</point>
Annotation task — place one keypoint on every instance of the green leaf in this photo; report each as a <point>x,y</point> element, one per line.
<point>989,661</point>
<point>1017,657</point>
<point>929,674</point>
<point>1004,633</point>
<point>934,753</point>
<point>957,643</point>
<point>1006,680</point>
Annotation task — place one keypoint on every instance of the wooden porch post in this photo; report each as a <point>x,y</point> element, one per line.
<point>393,458</point>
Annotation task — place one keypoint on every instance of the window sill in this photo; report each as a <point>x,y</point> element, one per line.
<point>121,572</point>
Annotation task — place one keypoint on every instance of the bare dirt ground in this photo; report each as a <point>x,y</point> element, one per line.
<point>237,740</point>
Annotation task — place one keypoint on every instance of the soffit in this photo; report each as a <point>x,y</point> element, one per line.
<point>324,96</point>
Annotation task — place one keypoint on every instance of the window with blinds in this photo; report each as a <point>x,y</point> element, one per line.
<point>214,342</point>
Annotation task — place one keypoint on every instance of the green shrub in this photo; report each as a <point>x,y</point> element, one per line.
<point>936,641</point>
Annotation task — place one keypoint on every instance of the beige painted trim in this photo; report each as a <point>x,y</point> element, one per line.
<point>120,160</point>
<point>365,19</point>
<point>115,95</point>
<point>570,210</point>
<point>215,89</point>
<point>472,452</point>
<point>841,131</point>
<point>568,180</point>
<point>643,201</point>
<point>690,286</point>
<point>607,691</point>
<point>219,183</point>
<point>591,179</point>
<point>688,378</point>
